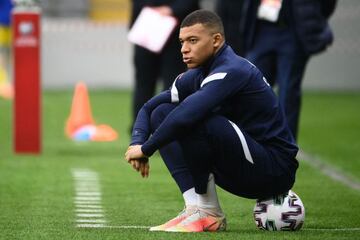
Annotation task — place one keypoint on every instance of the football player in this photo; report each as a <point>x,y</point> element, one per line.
<point>219,124</point>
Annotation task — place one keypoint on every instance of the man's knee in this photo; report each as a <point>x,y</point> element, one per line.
<point>214,125</point>
<point>159,114</point>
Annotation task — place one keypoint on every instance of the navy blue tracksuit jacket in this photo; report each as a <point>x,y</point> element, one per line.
<point>233,105</point>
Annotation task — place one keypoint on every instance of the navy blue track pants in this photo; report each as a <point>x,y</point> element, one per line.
<point>240,165</point>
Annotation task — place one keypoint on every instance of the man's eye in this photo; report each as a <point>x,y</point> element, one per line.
<point>193,40</point>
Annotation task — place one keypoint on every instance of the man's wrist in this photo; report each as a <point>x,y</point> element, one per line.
<point>147,150</point>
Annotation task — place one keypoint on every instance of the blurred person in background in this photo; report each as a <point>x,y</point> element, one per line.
<point>6,90</point>
<point>149,66</point>
<point>280,36</point>
<point>230,12</point>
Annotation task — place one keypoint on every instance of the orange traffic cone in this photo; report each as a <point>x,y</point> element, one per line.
<point>104,133</point>
<point>80,111</point>
<point>80,125</point>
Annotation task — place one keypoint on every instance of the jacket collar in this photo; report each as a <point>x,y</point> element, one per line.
<point>213,61</point>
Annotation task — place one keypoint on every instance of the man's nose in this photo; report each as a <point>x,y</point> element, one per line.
<point>185,48</point>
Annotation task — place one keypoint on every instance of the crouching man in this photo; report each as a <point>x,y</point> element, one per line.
<point>219,124</point>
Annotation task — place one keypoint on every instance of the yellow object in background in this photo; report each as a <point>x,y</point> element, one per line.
<point>5,36</point>
<point>3,75</point>
<point>6,88</point>
<point>110,10</point>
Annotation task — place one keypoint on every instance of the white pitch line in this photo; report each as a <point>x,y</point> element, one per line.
<point>129,226</point>
<point>88,202</point>
<point>88,193</point>
<point>91,221</point>
<point>88,198</point>
<point>89,225</point>
<point>89,210</point>
<point>90,215</point>
<point>86,183</point>
<point>87,190</point>
<point>87,178</point>
<point>87,187</point>
<point>84,173</point>
<point>329,170</point>
<point>331,229</point>
<point>89,206</point>
<point>106,226</point>
<point>147,227</point>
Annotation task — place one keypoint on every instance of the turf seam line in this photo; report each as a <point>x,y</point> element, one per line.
<point>329,170</point>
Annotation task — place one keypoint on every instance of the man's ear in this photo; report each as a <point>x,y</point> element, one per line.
<point>217,39</point>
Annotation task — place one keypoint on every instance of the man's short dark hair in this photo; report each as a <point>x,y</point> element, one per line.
<point>207,18</point>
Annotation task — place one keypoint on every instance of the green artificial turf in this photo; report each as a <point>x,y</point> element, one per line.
<point>330,128</point>
<point>37,192</point>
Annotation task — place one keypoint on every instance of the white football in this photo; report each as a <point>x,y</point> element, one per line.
<point>285,212</point>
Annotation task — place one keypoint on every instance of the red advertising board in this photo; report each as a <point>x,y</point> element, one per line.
<point>27,74</point>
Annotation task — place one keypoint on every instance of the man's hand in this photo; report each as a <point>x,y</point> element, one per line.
<point>134,152</point>
<point>138,160</point>
<point>141,166</point>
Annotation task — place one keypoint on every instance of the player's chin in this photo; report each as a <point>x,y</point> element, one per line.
<point>191,65</point>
